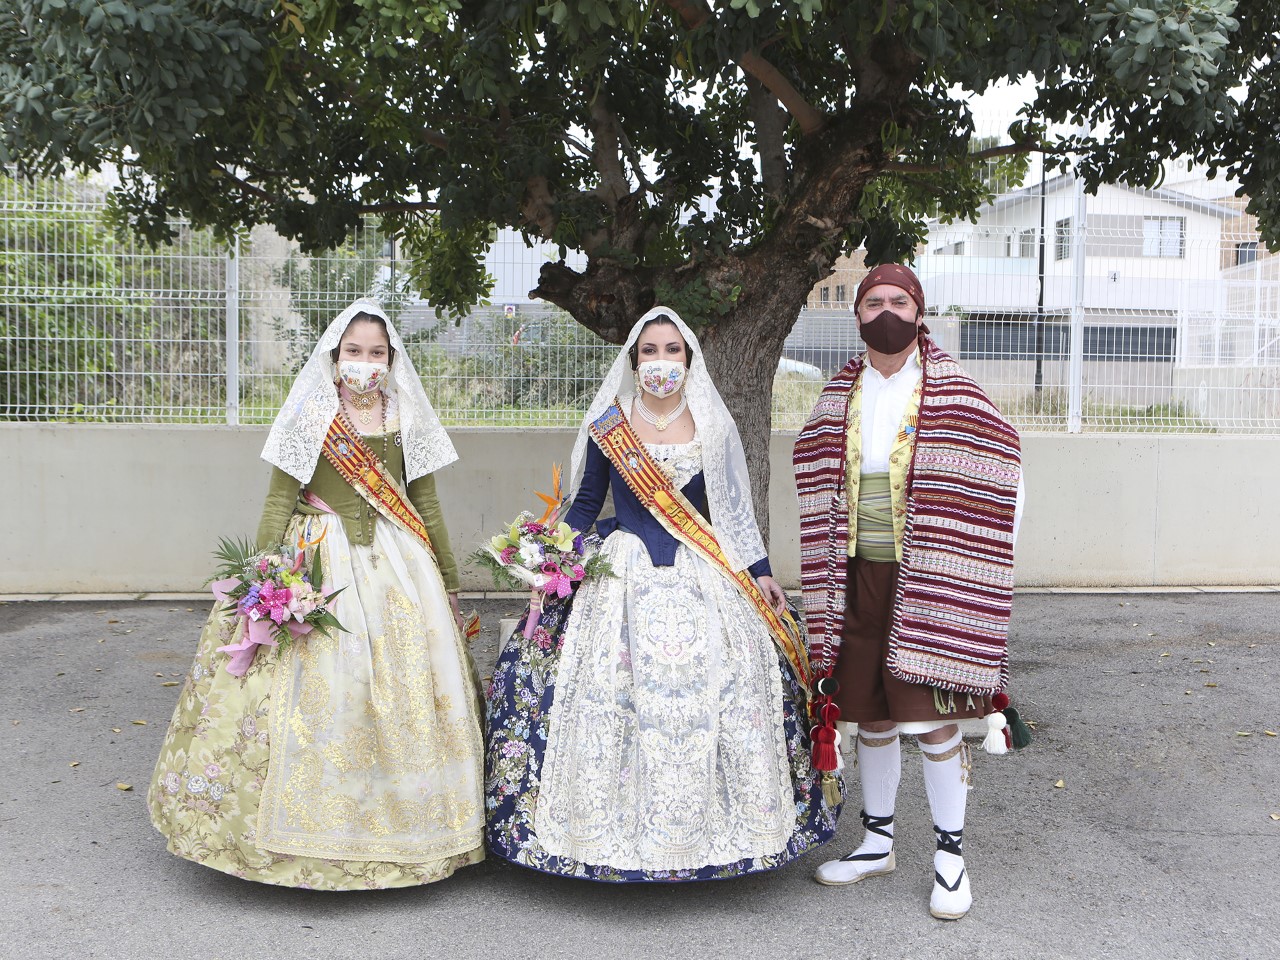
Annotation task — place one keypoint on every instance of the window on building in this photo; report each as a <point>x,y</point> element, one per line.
<point>1246,252</point>
<point>1163,236</point>
<point>824,294</point>
<point>840,293</point>
<point>1062,239</point>
<point>1027,244</point>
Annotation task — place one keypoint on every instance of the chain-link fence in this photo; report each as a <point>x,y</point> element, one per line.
<point>1161,314</point>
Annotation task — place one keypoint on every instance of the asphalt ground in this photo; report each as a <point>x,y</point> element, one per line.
<point>1143,822</point>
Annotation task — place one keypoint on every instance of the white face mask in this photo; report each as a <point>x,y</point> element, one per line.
<point>361,376</point>
<point>660,378</point>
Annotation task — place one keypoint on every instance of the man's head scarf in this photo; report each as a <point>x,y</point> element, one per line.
<point>895,275</point>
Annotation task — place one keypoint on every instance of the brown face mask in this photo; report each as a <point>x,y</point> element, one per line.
<point>887,332</point>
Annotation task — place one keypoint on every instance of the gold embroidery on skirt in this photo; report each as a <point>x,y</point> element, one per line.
<point>370,770</point>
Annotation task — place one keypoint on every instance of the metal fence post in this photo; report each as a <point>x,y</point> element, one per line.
<point>233,333</point>
<point>1075,369</point>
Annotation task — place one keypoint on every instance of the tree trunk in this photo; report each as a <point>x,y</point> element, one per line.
<point>742,358</point>
<point>741,348</point>
<point>742,352</point>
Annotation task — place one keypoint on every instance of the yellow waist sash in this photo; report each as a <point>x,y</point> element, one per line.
<point>655,491</point>
<point>360,467</point>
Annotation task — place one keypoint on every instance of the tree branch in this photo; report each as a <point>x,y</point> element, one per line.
<point>250,188</point>
<point>633,155</point>
<point>605,152</point>
<point>694,14</point>
<point>410,206</point>
<point>538,206</point>
<point>435,138</point>
<point>770,123</point>
<point>811,119</point>
<point>980,155</point>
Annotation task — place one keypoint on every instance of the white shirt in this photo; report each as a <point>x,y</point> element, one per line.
<point>884,402</point>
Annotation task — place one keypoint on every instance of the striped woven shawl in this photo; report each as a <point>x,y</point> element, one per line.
<point>955,584</point>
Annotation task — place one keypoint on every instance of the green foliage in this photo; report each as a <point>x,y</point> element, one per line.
<point>699,301</point>
<point>323,285</point>
<point>110,325</point>
<point>445,264</point>
<point>543,361</point>
<point>647,135</point>
<point>232,556</point>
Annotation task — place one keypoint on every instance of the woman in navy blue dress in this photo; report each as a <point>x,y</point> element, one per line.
<point>651,728</point>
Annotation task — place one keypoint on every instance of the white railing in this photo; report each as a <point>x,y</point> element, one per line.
<point>1170,333</point>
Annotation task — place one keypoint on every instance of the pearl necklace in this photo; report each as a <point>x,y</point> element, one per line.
<point>661,420</point>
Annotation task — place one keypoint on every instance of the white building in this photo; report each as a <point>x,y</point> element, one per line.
<point>1167,283</point>
<point>1149,255</point>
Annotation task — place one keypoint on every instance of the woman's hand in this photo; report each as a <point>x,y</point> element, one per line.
<point>773,593</point>
<point>457,612</point>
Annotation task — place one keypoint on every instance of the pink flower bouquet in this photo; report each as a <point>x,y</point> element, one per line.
<point>546,556</point>
<point>274,599</point>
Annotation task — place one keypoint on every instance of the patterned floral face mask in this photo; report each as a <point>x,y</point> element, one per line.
<point>660,378</point>
<point>361,376</point>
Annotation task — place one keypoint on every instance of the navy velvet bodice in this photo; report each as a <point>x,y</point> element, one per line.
<point>599,477</point>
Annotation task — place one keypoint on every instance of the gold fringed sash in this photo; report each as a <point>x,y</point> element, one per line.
<point>360,467</point>
<point>613,433</point>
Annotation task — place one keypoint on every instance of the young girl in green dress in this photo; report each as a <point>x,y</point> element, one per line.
<point>351,760</point>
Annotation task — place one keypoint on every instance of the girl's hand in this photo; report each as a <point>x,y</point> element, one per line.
<point>457,613</point>
<point>774,594</point>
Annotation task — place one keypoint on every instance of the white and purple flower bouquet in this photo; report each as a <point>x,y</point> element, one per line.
<point>274,599</point>
<point>549,558</point>
<point>542,555</point>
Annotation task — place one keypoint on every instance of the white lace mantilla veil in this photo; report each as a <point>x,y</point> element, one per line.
<point>298,433</point>
<point>724,462</point>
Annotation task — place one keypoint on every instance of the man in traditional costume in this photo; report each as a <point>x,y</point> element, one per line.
<point>909,481</point>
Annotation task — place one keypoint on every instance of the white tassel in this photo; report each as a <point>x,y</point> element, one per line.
<point>993,742</point>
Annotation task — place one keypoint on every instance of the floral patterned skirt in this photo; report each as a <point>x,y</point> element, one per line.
<point>349,762</point>
<point>649,731</point>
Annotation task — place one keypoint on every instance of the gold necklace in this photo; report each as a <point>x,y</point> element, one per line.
<point>363,402</point>
<point>370,517</point>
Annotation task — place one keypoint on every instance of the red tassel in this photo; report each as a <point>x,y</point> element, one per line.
<point>824,738</point>
<point>1008,738</point>
<point>824,748</point>
<point>999,701</point>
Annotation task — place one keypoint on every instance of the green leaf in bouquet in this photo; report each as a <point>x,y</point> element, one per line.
<point>596,566</point>
<point>232,556</point>
<point>501,576</point>
<point>326,622</point>
<point>317,571</point>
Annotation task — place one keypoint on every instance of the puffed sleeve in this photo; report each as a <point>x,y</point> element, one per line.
<point>282,497</point>
<point>422,494</point>
<point>589,501</point>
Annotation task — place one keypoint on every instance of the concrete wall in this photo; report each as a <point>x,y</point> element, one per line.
<point>105,508</point>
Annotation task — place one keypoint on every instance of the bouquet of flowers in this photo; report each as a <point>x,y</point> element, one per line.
<point>274,599</point>
<point>544,555</point>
